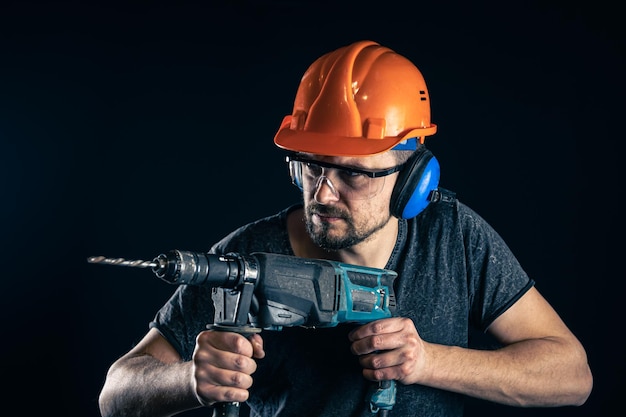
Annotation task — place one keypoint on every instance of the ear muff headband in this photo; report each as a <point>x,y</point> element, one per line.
<point>416,181</point>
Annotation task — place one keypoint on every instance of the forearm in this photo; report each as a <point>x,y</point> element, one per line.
<point>539,372</point>
<point>144,386</point>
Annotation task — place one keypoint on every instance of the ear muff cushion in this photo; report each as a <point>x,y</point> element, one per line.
<point>414,184</point>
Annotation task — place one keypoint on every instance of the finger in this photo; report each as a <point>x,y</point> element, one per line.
<point>376,327</point>
<point>212,384</point>
<point>400,373</point>
<point>385,374</point>
<point>225,341</point>
<point>257,345</point>
<point>400,333</point>
<point>382,360</point>
<point>212,375</point>
<point>220,359</point>
<point>381,367</point>
<point>208,394</point>
<point>378,343</point>
<point>398,364</point>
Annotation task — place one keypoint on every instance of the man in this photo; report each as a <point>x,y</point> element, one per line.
<point>370,197</point>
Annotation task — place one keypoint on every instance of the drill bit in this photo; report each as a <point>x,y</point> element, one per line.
<point>137,263</point>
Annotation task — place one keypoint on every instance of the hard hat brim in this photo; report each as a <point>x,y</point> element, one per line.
<point>322,144</point>
<point>332,145</point>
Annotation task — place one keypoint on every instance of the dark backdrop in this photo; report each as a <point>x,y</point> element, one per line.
<point>127,131</point>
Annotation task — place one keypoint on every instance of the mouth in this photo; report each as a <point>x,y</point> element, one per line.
<point>323,215</point>
<point>326,218</point>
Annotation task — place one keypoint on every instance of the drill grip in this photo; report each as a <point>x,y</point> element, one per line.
<point>226,409</point>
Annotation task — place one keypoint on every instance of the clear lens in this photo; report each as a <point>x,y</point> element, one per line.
<point>349,184</point>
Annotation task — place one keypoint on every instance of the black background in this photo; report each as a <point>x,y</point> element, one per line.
<point>128,130</point>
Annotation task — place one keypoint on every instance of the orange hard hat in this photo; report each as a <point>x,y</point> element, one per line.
<point>361,99</point>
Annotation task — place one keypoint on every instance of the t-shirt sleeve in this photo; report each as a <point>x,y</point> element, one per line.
<point>496,278</point>
<point>178,328</point>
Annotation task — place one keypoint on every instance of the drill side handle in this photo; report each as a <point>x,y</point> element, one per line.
<point>226,409</point>
<point>230,408</point>
<point>232,307</point>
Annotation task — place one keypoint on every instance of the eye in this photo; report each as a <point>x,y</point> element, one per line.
<point>313,169</point>
<point>353,179</point>
<point>351,174</point>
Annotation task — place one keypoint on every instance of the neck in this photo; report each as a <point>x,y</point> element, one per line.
<point>373,252</point>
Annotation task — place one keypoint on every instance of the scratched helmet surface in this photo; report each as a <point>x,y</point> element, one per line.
<point>361,99</point>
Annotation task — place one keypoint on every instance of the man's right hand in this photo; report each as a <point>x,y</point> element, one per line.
<point>223,363</point>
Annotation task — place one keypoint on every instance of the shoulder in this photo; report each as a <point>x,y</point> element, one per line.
<point>267,234</point>
<point>449,222</point>
<point>448,210</point>
<point>443,212</point>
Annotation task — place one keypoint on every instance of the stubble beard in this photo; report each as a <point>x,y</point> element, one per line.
<point>320,233</point>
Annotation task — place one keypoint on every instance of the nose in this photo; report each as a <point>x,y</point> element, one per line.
<point>325,191</point>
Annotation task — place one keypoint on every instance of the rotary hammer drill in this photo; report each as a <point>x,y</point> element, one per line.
<point>264,291</point>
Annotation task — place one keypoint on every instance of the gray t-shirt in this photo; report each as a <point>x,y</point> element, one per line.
<point>455,274</point>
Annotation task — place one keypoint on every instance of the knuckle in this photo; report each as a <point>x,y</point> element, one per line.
<point>405,370</point>
<point>240,380</point>
<point>236,379</point>
<point>199,373</point>
<point>406,322</point>
<point>200,356</point>
<point>409,355</point>
<point>376,342</point>
<point>377,362</point>
<point>241,345</point>
<point>379,375</point>
<point>239,362</point>
<point>202,337</point>
<point>378,327</point>
<point>238,343</point>
<point>234,395</point>
<point>244,364</point>
<point>412,342</point>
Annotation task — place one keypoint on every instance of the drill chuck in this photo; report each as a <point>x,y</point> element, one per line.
<point>197,268</point>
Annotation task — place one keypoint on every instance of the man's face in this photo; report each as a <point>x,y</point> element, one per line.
<point>344,208</point>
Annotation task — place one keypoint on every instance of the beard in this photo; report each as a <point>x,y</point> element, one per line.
<point>320,234</point>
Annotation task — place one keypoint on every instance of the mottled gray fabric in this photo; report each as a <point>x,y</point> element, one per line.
<point>455,274</point>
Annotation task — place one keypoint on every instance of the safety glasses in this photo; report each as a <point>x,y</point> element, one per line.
<point>350,183</point>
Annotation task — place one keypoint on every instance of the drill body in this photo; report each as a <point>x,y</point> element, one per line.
<point>284,290</point>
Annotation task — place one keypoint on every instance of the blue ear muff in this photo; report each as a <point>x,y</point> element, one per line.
<point>416,181</point>
<point>421,196</point>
